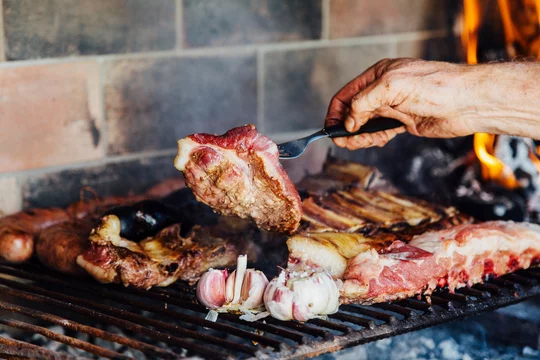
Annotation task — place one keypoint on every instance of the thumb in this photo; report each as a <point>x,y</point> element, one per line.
<point>364,105</point>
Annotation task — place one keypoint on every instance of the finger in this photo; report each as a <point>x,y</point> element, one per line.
<point>359,83</point>
<point>340,104</point>
<point>340,142</point>
<point>360,141</point>
<point>365,104</point>
<point>380,138</point>
<point>383,137</point>
<point>336,112</point>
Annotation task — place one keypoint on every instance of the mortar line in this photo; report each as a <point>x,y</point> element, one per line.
<point>393,49</point>
<point>260,92</point>
<point>243,49</point>
<point>291,135</point>
<point>104,126</point>
<point>3,40</point>
<point>325,26</point>
<point>116,159</point>
<point>179,24</point>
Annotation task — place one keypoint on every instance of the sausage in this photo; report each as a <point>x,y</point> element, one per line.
<point>16,246</point>
<point>18,231</point>
<point>143,219</point>
<point>58,246</point>
<point>165,188</point>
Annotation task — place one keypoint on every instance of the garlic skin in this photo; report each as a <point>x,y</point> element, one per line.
<point>211,288</point>
<point>252,293</point>
<point>243,289</point>
<point>302,296</point>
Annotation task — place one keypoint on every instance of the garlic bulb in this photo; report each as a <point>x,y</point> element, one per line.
<point>252,293</point>
<point>242,289</point>
<point>211,288</point>
<point>302,295</point>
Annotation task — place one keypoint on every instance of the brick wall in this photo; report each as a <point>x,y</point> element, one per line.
<point>96,92</point>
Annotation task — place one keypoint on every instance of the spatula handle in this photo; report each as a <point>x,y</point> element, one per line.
<point>373,125</point>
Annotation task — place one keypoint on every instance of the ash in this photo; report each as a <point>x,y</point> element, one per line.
<point>42,341</point>
<point>471,339</point>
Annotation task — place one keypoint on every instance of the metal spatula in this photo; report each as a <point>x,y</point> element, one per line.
<point>295,148</point>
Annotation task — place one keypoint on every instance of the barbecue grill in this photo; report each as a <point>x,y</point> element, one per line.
<point>110,321</point>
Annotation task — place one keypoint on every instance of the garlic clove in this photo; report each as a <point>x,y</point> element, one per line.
<point>278,300</point>
<point>302,295</point>
<point>316,295</point>
<point>211,288</point>
<point>229,287</point>
<point>253,287</point>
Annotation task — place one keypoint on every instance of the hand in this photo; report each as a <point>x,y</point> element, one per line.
<point>429,98</point>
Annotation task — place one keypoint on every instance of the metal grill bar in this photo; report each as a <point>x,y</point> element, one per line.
<point>186,302</point>
<point>149,349</point>
<point>62,338</point>
<point>69,304</point>
<point>130,315</point>
<point>26,350</point>
<point>230,336</point>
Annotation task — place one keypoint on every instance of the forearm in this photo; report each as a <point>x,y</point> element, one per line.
<point>504,98</point>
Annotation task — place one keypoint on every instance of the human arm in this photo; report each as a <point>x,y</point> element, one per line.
<point>439,99</point>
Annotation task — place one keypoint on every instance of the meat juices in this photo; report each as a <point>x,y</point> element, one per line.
<point>239,173</point>
<point>461,256</point>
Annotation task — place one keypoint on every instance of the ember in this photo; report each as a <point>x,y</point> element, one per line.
<point>504,181</point>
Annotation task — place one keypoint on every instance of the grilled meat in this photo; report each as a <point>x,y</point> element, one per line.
<point>331,251</point>
<point>343,224</point>
<point>338,174</point>
<point>239,173</point>
<point>461,256</point>
<point>162,259</point>
<point>58,246</point>
<point>356,210</point>
<point>165,188</point>
<point>19,231</point>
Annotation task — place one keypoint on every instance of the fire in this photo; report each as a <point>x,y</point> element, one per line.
<point>469,35</point>
<point>522,37</point>
<point>492,168</point>
<point>521,27</point>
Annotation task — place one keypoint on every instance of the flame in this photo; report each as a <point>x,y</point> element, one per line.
<point>516,33</point>
<point>492,168</point>
<point>535,160</point>
<point>469,35</point>
<point>521,31</point>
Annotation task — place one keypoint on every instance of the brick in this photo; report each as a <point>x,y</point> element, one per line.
<point>300,84</point>
<point>250,21</point>
<point>152,103</point>
<point>10,196</point>
<point>2,53</point>
<point>351,18</point>
<point>441,49</point>
<point>49,115</point>
<point>113,179</point>
<point>53,28</point>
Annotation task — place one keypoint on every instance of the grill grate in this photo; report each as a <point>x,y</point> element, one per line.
<point>168,323</point>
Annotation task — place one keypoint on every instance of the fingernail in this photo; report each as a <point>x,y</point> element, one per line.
<point>349,124</point>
